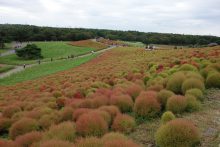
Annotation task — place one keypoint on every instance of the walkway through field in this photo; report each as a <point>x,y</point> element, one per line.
<point>21,68</point>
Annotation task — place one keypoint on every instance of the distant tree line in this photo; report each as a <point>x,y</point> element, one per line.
<point>14,32</point>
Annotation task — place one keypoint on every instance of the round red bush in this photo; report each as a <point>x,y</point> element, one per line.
<point>55,143</point>
<point>146,105</point>
<point>112,110</point>
<point>78,112</point>
<point>123,123</point>
<point>91,124</point>
<point>10,111</point>
<point>28,139</point>
<point>176,104</point>
<point>178,133</point>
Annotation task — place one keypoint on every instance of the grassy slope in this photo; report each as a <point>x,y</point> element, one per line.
<point>49,50</point>
<point>44,69</point>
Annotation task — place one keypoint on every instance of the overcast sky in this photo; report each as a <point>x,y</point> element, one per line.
<point>171,16</point>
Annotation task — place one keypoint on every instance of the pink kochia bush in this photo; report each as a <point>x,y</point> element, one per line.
<point>91,124</point>
<point>146,104</point>
<point>28,139</point>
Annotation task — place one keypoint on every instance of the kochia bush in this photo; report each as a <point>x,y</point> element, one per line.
<point>64,131</point>
<point>175,82</point>
<point>176,104</point>
<point>195,92</point>
<point>213,80</point>
<point>124,123</point>
<point>23,126</point>
<point>177,133</point>
<point>28,139</point>
<point>192,83</point>
<point>123,102</point>
<point>167,116</point>
<point>146,105</point>
<point>163,96</point>
<point>91,124</point>
<point>90,142</point>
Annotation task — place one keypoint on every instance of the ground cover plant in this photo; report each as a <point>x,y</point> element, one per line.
<point>53,49</point>
<point>128,90</point>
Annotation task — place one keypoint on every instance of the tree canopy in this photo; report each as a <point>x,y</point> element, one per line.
<point>31,51</point>
<point>34,33</point>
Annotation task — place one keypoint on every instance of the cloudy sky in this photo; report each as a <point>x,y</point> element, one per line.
<point>171,16</point>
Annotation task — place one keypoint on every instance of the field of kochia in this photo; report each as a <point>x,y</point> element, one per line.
<point>125,97</point>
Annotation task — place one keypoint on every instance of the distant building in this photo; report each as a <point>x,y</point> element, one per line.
<point>150,47</point>
<point>212,44</point>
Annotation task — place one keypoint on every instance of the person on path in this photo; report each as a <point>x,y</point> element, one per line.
<point>24,65</point>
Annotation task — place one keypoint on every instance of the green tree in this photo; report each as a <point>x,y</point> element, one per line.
<point>31,51</point>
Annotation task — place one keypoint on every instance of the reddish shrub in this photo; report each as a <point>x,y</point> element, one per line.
<point>99,101</point>
<point>178,133</point>
<point>86,103</point>
<point>91,124</point>
<point>28,139</point>
<point>123,102</point>
<point>113,136</point>
<point>55,143</point>
<point>123,123</point>
<point>120,143</point>
<point>78,112</point>
<point>23,126</point>
<point>5,124</point>
<point>60,102</point>
<point>133,90</point>
<point>6,143</point>
<point>90,142</point>
<point>10,111</point>
<point>64,131</point>
<point>105,115</point>
<point>112,110</point>
<point>156,87</point>
<point>176,104</point>
<point>66,114</point>
<point>146,105</point>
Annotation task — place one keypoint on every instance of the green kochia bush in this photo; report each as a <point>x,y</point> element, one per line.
<point>188,67</point>
<point>64,131</point>
<point>163,96</point>
<point>176,104</point>
<point>213,80</point>
<point>178,133</point>
<point>195,92</point>
<point>192,83</point>
<point>192,103</point>
<point>167,116</point>
<point>175,82</point>
<point>124,123</point>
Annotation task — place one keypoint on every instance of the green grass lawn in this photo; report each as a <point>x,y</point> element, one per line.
<point>44,70</point>
<point>6,68</point>
<point>6,48</point>
<point>49,50</point>
<point>134,44</point>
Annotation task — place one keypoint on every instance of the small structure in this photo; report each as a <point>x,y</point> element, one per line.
<point>99,39</point>
<point>212,44</point>
<point>150,47</point>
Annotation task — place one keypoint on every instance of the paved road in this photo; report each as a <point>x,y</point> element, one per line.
<point>21,68</point>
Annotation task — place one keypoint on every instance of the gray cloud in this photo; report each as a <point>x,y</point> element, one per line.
<point>174,16</point>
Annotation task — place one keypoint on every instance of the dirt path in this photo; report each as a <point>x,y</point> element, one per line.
<point>21,68</point>
<point>207,120</point>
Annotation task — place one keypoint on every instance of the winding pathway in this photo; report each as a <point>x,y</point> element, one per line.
<point>21,68</point>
